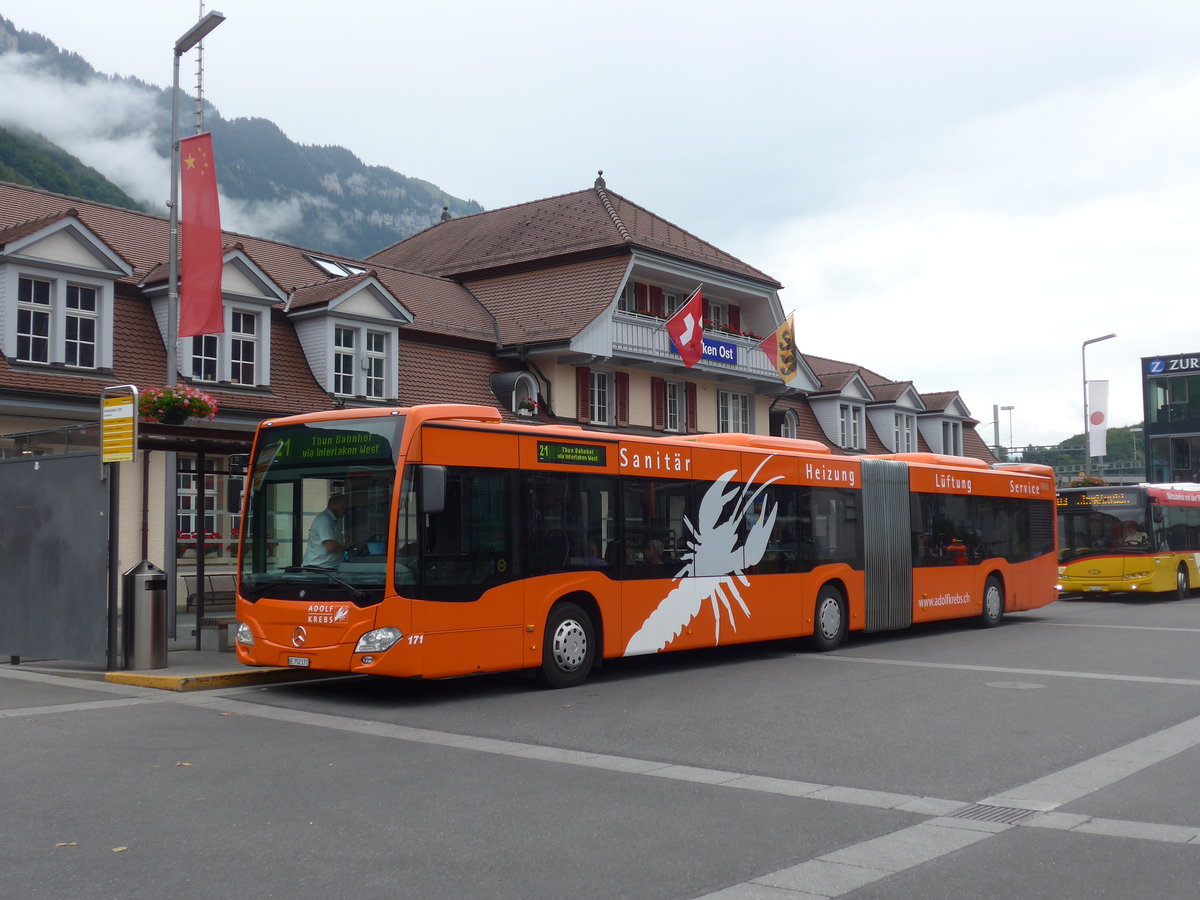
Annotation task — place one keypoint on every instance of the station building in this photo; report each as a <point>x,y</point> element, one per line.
<point>552,311</point>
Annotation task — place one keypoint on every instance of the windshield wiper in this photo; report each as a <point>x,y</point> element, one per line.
<point>328,573</point>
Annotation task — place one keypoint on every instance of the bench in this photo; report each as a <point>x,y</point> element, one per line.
<point>214,633</point>
<point>219,590</point>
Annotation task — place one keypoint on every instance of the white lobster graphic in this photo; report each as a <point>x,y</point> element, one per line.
<point>711,548</point>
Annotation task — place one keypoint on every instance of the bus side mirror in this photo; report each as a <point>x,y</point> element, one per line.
<point>1156,514</point>
<point>433,489</point>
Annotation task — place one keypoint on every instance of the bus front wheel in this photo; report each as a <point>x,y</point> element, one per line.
<point>829,620</point>
<point>568,647</point>
<point>993,604</point>
<point>1183,585</point>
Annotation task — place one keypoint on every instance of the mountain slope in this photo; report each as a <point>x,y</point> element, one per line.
<point>320,197</point>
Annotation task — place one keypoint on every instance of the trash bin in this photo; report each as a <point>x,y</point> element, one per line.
<point>144,613</point>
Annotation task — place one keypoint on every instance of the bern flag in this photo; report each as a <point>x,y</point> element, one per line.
<point>780,347</point>
<point>686,329</point>
<point>1097,417</point>
<point>201,262</point>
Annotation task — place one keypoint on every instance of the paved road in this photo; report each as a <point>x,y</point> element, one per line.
<point>1051,757</point>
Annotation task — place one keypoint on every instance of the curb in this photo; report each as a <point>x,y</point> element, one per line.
<point>214,680</point>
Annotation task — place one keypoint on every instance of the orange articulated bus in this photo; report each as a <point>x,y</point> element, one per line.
<point>436,541</point>
<point>1142,538</point>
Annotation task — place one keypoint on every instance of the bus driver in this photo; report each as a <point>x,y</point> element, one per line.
<point>326,542</point>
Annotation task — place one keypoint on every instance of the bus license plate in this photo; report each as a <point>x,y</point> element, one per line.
<point>301,661</point>
<point>1095,587</point>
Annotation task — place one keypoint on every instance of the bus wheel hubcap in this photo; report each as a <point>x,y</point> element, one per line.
<point>570,645</point>
<point>830,618</point>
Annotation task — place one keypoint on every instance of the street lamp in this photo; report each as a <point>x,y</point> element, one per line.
<point>190,39</point>
<point>1009,410</point>
<point>1087,442</point>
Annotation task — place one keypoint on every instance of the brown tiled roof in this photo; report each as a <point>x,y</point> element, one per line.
<point>822,366</point>
<point>142,239</point>
<point>891,391</point>
<point>594,222</point>
<point>437,374</point>
<point>550,304</point>
<point>937,402</point>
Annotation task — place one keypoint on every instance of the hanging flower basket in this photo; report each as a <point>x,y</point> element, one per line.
<point>175,405</point>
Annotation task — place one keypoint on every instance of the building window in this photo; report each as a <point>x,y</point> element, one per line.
<point>598,399</point>
<point>376,362</point>
<point>204,357</point>
<point>905,433</point>
<point>789,425</point>
<point>850,430</point>
<point>243,342</point>
<point>343,361</point>
<point>80,330</point>
<point>33,320</point>
<point>952,438</point>
<point>733,412</point>
<point>672,401</point>
<point>363,363</point>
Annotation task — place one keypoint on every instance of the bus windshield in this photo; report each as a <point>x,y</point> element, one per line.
<point>317,511</point>
<point>1102,522</point>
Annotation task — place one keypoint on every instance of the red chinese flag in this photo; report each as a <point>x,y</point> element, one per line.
<point>200,266</point>
<point>686,329</point>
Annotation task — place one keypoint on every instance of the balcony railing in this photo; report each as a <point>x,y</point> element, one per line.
<point>645,336</point>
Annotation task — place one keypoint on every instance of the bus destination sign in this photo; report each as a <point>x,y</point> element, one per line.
<point>330,446</point>
<point>1105,498</point>
<point>571,454</point>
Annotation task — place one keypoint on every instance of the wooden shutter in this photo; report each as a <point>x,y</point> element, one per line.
<point>689,390</point>
<point>641,297</point>
<point>735,318</point>
<point>658,402</point>
<point>656,301</point>
<point>621,381</point>
<point>583,388</point>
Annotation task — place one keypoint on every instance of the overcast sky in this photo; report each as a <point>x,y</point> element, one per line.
<point>953,192</point>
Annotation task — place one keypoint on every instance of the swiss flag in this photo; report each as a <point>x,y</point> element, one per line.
<point>686,329</point>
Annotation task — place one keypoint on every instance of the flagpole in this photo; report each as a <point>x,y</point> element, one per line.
<point>190,39</point>
<point>186,42</point>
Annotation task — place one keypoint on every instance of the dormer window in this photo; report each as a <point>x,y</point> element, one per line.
<point>850,427</point>
<point>59,321</point>
<point>952,438</point>
<point>363,360</point>
<point>239,355</point>
<point>905,434</point>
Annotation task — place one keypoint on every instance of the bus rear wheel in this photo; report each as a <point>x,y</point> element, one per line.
<point>829,620</point>
<point>993,604</point>
<point>568,647</point>
<point>1183,584</point>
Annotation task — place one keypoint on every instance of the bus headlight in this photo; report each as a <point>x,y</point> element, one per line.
<point>378,640</point>
<point>245,635</point>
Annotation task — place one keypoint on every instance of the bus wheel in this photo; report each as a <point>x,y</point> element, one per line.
<point>568,648</point>
<point>993,604</point>
<point>829,620</point>
<point>1183,585</point>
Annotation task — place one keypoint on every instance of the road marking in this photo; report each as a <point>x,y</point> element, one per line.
<point>1006,670</point>
<point>84,706</point>
<point>1117,627</point>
